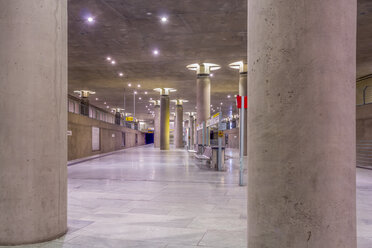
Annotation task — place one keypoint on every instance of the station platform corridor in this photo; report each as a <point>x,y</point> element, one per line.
<point>146,198</point>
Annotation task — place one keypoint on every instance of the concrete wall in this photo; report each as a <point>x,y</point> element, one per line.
<point>233,138</point>
<point>80,142</point>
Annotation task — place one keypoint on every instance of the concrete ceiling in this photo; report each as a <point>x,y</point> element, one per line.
<point>197,31</point>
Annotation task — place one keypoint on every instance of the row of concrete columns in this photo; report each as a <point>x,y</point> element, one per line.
<point>301,146</point>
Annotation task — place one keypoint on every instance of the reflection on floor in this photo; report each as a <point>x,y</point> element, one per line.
<point>143,197</point>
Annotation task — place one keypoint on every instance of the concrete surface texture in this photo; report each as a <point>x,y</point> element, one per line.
<point>129,31</point>
<point>301,185</point>
<point>143,197</point>
<point>203,102</point>
<point>111,137</point>
<point>164,122</point>
<point>179,127</point>
<point>33,126</point>
<point>157,126</point>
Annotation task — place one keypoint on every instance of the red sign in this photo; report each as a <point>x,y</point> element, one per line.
<point>239,101</point>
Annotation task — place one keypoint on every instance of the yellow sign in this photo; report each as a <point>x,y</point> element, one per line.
<point>215,115</point>
<point>129,118</point>
<point>220,133</point>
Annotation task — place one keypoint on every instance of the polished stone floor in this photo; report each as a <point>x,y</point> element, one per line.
<point>143,197</point>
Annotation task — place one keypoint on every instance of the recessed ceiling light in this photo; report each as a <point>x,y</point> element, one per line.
<point>155,52</point>
<point>108,58</point>
<point>107,106</point>
<point>97,99</point>
<point>221,103</point>
<point>228,96</point>
<point>146,106</point>
<point>104,103</point>
<point>212,74</point>
<point>140,98</point>
<point>139,86</point>
<point>135,92</point>
<point>150,104</point>
<point>164,19</point>
<point>113,62</point>
<point>121,74</point>
<point>145,92</point>
<point>90,19</point>
<point>129,84</point>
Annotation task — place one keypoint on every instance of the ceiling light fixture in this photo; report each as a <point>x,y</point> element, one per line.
<point>113,62</point>
<point>104,103</point>
<point>139,86</point>
<point>108,58</point>
<point>121,74</point>
<point>228,96</point>
<point>139,98</point>
<point>129,84</point>
<point>164,19</point>
<point>90,19</point>
<point>145,92</point>
<point>155,52</point>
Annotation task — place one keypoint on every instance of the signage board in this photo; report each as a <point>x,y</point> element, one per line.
<point>214,120</point>
<point>129,118</point>
<point>220,133</point>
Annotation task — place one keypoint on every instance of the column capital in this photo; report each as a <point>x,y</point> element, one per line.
<point>179,101</point>
<point>165,91</point>
<point>191,114</point>
<point>239,65</point>
<point>155,102</point>
<point>84,93</point>
<point>203,68</point>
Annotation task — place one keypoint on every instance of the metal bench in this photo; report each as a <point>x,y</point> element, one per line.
<point>207,154</point>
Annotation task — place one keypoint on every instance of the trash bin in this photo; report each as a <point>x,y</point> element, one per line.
<point>214,160</point>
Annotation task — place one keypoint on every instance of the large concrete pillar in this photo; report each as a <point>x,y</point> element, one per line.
<point>156,123</point>
<point>164,117</point>
<point>33,126</point>
<point>203,93</point>
<point>178,139</point>
<point>242,67</point>
<point>301,170</point>
<point>192,129</point>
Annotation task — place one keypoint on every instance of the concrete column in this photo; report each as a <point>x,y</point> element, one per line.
<point>178,139</point>
<point>242,67</point>
<point>301,170</point>
<point>164,117</point>
<point>203,93</point>
<point>179,127</point>
<point>192,130</point>
<point>157,124</point>
<point>33,126</point>
<point>164,122</point>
